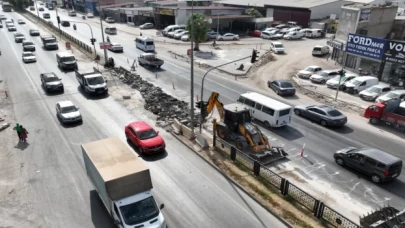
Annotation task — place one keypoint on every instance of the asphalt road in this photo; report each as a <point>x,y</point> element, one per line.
<point>194,194</point>
<point>320,143</point>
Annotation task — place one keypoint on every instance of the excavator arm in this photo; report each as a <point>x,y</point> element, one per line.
<point>208,107</point>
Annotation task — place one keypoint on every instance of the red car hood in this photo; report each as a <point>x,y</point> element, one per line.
<point>156,141</point>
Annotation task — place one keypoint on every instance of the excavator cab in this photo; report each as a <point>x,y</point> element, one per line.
<point>236,114</point>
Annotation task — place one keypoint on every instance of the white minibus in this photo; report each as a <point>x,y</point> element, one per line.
<point>271,112</point>
<point>145,43</point>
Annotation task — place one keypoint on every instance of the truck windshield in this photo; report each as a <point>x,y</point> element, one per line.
<point>50,40</point>
<point>140,211</point>
<point>95,80</point>
<point>69,58</point>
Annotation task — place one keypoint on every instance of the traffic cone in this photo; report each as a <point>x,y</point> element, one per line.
<point>302,151</point>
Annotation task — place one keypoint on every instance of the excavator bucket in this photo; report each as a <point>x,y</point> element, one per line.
<point>268,156</point>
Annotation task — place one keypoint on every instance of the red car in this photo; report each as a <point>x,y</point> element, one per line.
<point>144,137</point>
<point>255,33</point>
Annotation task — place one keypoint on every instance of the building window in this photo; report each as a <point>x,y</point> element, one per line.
<point>351,61</point>
<point>362,32</point>
<point>129,19</point>
<point>370,66</point>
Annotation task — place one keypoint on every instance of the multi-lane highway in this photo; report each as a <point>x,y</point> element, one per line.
<point>319,169</point>
<point>56,189</point>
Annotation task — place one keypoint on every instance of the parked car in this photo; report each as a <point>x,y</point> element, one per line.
<point>177,31</point>
<point>89,15</point>
<point>323,76</point>
<point>320,50</point>
<point>21,22</point>
<point>65,23</point>
<point>40,9</point>
<point>269,34</point>
<point>116,47</point>
<point>359,84</point>
<point>314,33</point>
<point>109,20</point>
<point>67,112</point>
<point>228,36</point>
<point>279,35</point>
<point>334,82</point>
<point>51,82</point>
<point>146,26</point>
<point>28,57</point>
<point>371,93</point>
<point>305,31</point>
<point>255,33</point>
<point>379,165</point>
<point>46,15</point>
<point>179,35</point>
<point>212,35</point>
<point>282,26</point>
<point>12,28</point>
<point>184,38</point>
<point>391,95</point>
<point>32,8</point>
<point>293,35</point>
<point>72,14</point>
<point>277,47</point>
<point>144,137</point>
<point>34,32</point>
<point>309,71</point>
<point>28,46</point>
<point>1,25</point>
<point>282,87</point>
<point>3,17</point>
<point>295,29</point>
<point>323,114</point>
<point>19,37</point>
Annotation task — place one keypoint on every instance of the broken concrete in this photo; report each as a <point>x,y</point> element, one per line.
<point>164,106</point>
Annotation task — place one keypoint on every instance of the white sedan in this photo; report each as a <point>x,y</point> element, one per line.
<point>146,26</point>
<point>67,112</point>
<point>115,47</point>
<point>228,36</point>
<point>184,38</point>
<point>109,20</point>
<point>28,57</point>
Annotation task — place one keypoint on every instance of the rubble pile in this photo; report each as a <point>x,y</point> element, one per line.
<point>164,106</point>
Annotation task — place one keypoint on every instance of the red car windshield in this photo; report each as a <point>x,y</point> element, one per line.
<point>147,134</point>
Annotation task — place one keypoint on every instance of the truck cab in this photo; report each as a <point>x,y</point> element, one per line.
<point>92,83</point>
<point>66,61</point>
<point>49,42</point>
<point>391,112</point>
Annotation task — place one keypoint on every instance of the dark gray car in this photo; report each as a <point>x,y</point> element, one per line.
<point>51,82</point>
<point>379,165</point>
<point>28,46</point>
<point>282,87</point>
<point>323,114</point>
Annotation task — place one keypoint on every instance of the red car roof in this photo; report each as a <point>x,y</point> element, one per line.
<point>139,126</point>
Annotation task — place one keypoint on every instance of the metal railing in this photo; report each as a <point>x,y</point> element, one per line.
<point>287,189</point>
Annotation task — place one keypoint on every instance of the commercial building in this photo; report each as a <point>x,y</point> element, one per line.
<point>365,41</point>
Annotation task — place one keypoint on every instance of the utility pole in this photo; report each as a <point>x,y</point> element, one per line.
<point>192,72</point>
<point>57,16</point>
<point>36,6</point>
<point>102,31</point>
<point>340,78</point>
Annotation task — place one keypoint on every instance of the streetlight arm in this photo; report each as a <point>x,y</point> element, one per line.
<point>91,32</point>
<point>203,79</point>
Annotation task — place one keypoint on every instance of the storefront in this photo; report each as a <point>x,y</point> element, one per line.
<point>337,51</point>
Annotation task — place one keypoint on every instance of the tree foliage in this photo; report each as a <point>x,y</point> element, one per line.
<point>201,27</point>
<point>18,4</point>
<point>253,12</point>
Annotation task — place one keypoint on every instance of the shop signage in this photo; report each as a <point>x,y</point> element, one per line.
<point>335,44</point>
<point>365,15</point>
<point>169,12</point>
<point>145,13</point>
<point>395,52</point>
<point>369,47</point>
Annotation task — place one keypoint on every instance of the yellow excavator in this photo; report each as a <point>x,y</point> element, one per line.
<point>236,126</point>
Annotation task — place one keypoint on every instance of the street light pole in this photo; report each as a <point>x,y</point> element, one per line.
<point>57,16</point>
<point>192,72</point>
<point>36,6</point>
<point>340,78</point>
<point>102,32</point>
<point>202,84</point>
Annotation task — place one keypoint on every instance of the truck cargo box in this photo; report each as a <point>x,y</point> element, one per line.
<point>115,170</point>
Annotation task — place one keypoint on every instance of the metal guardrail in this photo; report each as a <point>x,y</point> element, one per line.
<point>317,208</point>
<point>69,37</point>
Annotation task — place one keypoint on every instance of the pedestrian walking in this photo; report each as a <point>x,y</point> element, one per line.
<point>327,57</point>
<point>17,128</point>
<point>24,134</point>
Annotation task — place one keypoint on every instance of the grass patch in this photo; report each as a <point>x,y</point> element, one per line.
<point>295,219</point>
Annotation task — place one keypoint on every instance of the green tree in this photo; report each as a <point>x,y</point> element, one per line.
<point>253,12</point>
<point>201,27</point>
<point>18,4</point>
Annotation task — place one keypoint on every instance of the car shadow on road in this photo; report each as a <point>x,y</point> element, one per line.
<point>92,97</point>
<point>293,97</point>
<point>287,132</point>
<point>342,130</point>
<point>99,214</point>
<point>148,157</point>
<point>384,127</point>
<point>22,145</point>
<point>155,70</point>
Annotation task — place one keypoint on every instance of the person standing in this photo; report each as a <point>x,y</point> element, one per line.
<point>24,134</point>
<point>17,128</point>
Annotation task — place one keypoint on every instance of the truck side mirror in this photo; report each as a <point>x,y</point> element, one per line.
<point>162,206</point>
<point>157,132</point>
<point>106,81</point>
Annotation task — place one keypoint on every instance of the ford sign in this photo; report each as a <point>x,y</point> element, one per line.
<point>365,46</point>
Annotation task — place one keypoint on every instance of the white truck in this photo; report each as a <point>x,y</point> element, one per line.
<point>123,183</point>
<point>92,82</point>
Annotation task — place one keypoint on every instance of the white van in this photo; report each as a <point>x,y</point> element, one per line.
<point>314,33</point>
<point>293,35</point>
<point>320,50</point>
<point>145,43</point>
<point>359,84</point>
<point>271,112</point>
<point>111,30</point>
<point>269,34</point>
<point>172,28</point>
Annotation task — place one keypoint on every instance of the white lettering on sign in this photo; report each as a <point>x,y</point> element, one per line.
<point>397,46</point>
<point>365,41</point>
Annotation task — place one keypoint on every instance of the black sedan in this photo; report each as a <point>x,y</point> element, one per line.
<point>282,87</point>
<point>323,114</point>
<point>34,32</point>
<point>41,9</point>
<point>65,23</point>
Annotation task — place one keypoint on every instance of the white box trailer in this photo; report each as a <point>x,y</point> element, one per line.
<point>123,183</point>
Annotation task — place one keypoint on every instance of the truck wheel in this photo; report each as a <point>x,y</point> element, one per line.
<point>374,120</point>
<point>239,144</point>
<point>340,161</point>
<point>222,132</point>
<point>375,178</point>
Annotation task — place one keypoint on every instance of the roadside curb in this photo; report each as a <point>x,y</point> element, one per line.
<point>231,180</point>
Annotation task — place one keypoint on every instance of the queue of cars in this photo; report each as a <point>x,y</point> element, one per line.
<point>179,32</point>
